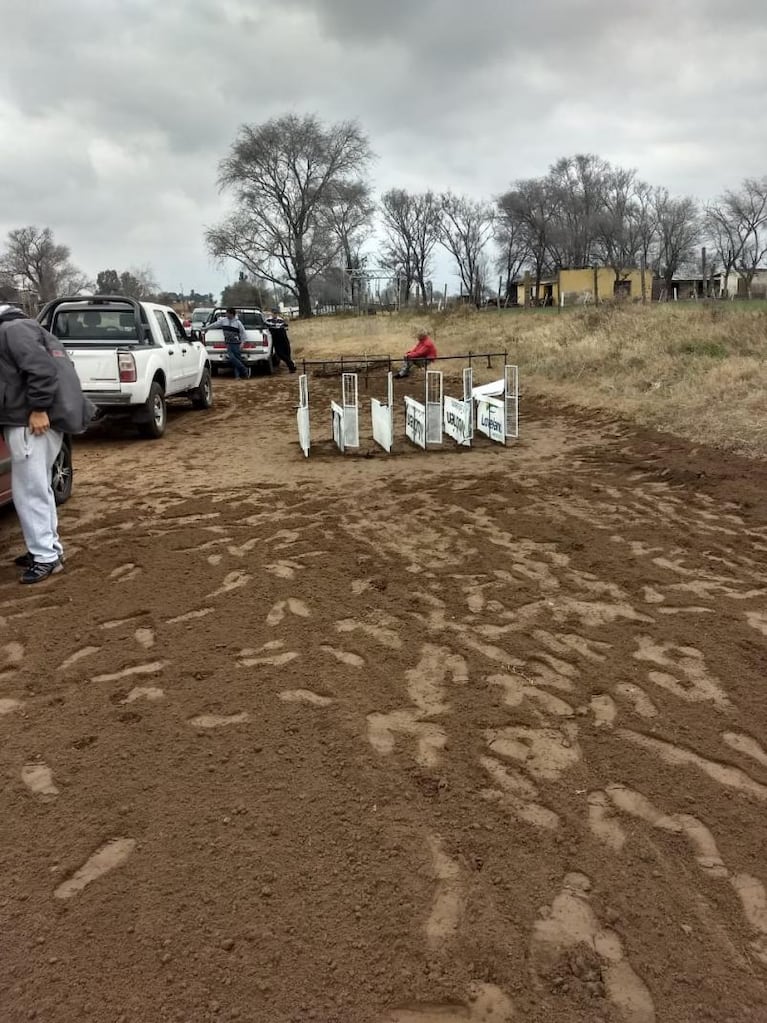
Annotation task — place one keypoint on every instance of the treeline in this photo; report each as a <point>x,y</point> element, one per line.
<point>304,215</point>
<point>305,228</point>
<point>34,268</point>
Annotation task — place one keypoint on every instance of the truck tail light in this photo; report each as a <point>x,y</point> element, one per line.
<point>248,344</point>
<point>126,365</point>
<point>218,346</point>
<point>264,340</point>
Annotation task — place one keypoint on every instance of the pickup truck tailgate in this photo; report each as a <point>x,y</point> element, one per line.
<point>97,370</point>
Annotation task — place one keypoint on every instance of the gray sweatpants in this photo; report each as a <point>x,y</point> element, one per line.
<point>32,459</point>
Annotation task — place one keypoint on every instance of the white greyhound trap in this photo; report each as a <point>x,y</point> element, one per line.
<point>490,409</point>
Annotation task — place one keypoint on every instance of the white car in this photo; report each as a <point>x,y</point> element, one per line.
<point>131,357</point>
<point>256,351</point>
<point>199,318</point>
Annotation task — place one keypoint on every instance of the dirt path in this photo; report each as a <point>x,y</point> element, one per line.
<point>475,736</point>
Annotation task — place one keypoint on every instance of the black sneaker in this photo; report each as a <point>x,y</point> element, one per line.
<point>38,571</point>
<point>27,560</point>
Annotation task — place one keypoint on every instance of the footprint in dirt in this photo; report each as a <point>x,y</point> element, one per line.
<point>124,573</point>
<point>262,657</point>
<point>517,795</point>
<point>291,605</point>
<point>604,808</point>
<point>698,685</point>
<point>150,693</point>
<point>109,857</point>
<point>304,696</point>
<point>116,623</point>
<point>78,655</point>
<point>570,947</point>
<point>233,581</point>
<point>11,657</point>
<point>641,703</point>
<point>426,689</point>
<point>757,621</point>
<point>546,753</point>
<point>38,778</point>
<point>190,616</point>
<point>516,690</point>
<point>485,1004</point>
<point>284,569</point>
<point>219,720</point>
<point>449,897</point>
<point>747,745</point>
<point>145,638</point>
<point>153,668</point>
<point>382,633</point>
<point>430,738</point>
<point>723,774</point>
<point>344,656</point>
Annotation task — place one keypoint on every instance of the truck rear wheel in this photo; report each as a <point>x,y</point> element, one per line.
<point>156,412</point>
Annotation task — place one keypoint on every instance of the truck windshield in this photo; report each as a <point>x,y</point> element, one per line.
<point>95,325</point>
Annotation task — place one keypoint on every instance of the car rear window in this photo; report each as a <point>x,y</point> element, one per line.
<point>251,319</point>
<point>95,325</point>
<point>201,314</point>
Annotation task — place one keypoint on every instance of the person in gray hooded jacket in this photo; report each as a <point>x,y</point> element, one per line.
<point>34,398</point>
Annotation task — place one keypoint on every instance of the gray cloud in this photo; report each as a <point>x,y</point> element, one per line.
<point>115,113</point>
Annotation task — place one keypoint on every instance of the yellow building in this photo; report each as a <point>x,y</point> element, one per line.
<point>584,286</point>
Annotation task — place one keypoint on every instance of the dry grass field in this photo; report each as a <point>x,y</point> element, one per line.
<point>698,371</point>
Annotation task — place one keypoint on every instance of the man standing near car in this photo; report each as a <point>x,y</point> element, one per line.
<point>29,386</point>
<point>234,335</point>
<point>278,328</point>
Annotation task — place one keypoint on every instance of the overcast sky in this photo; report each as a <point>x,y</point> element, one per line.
<point>115,113</point>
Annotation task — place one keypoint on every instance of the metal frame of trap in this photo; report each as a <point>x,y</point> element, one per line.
<point>425,422</point>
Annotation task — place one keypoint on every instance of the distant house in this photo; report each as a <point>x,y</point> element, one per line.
<point>583,286</point>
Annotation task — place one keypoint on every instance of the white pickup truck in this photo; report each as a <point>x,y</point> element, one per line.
<point>257,351</point>
<point>131,357</point>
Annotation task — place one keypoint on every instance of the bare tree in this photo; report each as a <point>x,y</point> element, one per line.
<point>625,227</point>
<point>412,225</point>
<point>512,239</point>
<point>398,251</point>
<point>286,175</point>
<point>466,228</point>
<point>721,223</point>
<point>349,216</point>
<point>41,267</point>
<point>138,282</point>
<point>577,185</point>
<point>532,204</point>
<point>678,231</point>
<point>749,206</point>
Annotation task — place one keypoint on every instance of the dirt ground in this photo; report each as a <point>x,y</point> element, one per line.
<point>467,735</point>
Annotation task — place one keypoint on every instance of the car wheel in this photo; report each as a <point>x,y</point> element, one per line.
<point>202,396</point>
<point>61,474</point>
<point>267,367</point>
<point>156,412</point>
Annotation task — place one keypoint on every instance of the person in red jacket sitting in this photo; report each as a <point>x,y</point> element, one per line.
<point>424,353</point>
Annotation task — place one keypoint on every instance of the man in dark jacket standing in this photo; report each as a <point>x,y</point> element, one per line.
<point>278,328</point>
<point>28,388</point>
